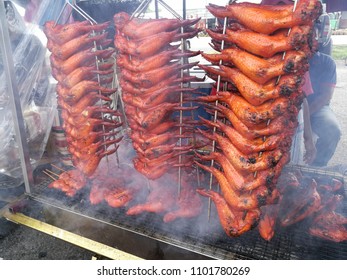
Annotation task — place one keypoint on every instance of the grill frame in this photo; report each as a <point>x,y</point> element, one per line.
<point>205,238</point>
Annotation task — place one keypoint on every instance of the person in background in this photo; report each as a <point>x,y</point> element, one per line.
<point>323,120</point>
<point>303,149</point>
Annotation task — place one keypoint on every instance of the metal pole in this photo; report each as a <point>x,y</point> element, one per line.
<point>17,114</point>
<point>168,8</point>
<point>156,9</point>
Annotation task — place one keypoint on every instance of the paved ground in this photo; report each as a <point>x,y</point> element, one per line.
<point>19,242</point>
<point>339,105</point>
<point>23,243</point>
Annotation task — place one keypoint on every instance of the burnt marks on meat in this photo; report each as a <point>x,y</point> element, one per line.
<point>250,160</point>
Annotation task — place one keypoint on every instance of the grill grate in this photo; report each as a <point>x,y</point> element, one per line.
<point>199,235</point>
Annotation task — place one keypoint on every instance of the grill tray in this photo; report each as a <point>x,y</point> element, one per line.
<point>202,236</point>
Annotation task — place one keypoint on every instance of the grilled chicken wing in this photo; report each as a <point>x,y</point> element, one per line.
<point>255,93</point>
<point>300,38</point>
<point>242,162</point>
<point>254,115</point>
<point>252,131</point>
<point>139,29</point>
<point>264,20</point>
<point>233,222</point>
<point>257,69</point>
<point>267,221</point>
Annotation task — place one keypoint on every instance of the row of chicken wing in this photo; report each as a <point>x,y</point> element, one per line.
<point>153,70</point>
<point>150,68</point>
<point>83,78</point>
<point>259,66</point>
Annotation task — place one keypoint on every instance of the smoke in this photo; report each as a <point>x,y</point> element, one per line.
<point>119,166</point>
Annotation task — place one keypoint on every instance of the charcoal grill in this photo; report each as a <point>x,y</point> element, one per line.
<point>199,237</point>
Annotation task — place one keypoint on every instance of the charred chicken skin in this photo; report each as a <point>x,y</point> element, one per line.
<point>241,201</point>
<point>267,221</point>
<point>113,188</point>
<point>335,233</point>
<point>242,162</point>
<point>234,222</point>
<point>292,212</point>
<point>266,46</point>
<point>82,130</point>
<point>84,153</point>
<point>255,93</point>
<point>257,69</point>
<point>74,94</point>
<point>94,112</point>
<point>237,180</point>
<point>267,20</point>
<point>329,225</point>
<point>91,138</point>
<point>63,186</point>
<point>151,142</point>
<point>130,89</point>
<point>250,114</point>
<point>153,116</point>
<point>326,222</point>
<point>160,96</point>
<point>243,144</point>
<point>119,193</point>
<point>252,131</point>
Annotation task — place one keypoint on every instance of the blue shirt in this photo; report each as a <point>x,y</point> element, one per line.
<point>322,72</point>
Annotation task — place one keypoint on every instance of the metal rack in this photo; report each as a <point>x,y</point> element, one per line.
<point>136,14</point>
<point>195,239</point>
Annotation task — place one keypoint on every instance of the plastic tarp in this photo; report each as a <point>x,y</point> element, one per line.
<point>35,90</point>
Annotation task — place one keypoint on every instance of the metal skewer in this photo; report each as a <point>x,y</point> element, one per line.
<point>57,167</point>
<point>215,119</point>
<point>51,172</point>
<point>60,14</point>
<point>49,175</point>
<point>141,9</point>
